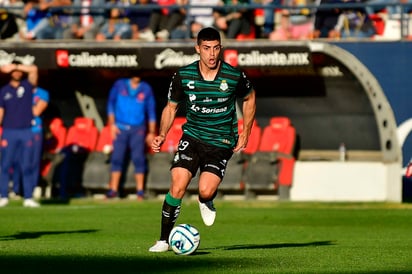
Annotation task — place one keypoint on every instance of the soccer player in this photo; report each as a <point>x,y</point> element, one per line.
<point>16,116</point>
<point>208,89</point>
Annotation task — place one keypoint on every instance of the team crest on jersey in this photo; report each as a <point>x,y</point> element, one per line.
<point>20,92</point>
<point>224,86</point>
<point>140,97</point>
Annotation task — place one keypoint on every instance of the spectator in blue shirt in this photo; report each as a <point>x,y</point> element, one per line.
<point>131,111</point>
<point>40,103</point>
<point>16,116</point>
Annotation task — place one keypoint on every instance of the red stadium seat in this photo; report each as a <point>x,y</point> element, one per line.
<point>104,142</point>
<point>82,134</point>
<point>55,136</point>
<point>254,138</point>
<point>54,139</point>
<point>273,163</point>
<point>174,135</point>
<point>80,142</point>
<point>96,174</point>
<point>250,36</point>
<point>233,180</point>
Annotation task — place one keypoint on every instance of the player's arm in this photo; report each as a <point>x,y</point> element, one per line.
<point>166,121</point>
<point>249,110</point>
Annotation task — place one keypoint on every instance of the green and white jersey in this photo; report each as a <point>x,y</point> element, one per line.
<point>210,105</point>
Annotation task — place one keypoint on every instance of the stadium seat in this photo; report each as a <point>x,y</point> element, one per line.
<point>54,139</point>
<point>250,36</point>
<point>82,135</point>
<point>159,163</point>
<point>272,164</point>
<point>80,141</point>
<point>55,135</point>
<point>233,179</point>
<point>96,173</point>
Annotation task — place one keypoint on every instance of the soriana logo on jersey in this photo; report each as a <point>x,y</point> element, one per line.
<point>86,59</point>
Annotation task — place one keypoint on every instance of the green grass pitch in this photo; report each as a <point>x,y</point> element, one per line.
<point>96,236</point>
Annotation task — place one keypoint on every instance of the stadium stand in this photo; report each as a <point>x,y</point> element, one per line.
<point>272,164</point>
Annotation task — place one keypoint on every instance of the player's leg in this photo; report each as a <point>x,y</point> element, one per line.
<point>208,184</point>
<point>182,171</point>
<point>171,206</point>
<point>212,169</point>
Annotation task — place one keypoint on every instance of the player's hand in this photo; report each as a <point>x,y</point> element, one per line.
<point>157,142</point>
<point>241,143</point>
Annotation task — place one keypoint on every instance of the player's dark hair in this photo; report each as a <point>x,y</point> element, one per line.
<point>208,34</point>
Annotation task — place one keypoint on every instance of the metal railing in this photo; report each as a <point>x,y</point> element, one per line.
<point>404,17</point>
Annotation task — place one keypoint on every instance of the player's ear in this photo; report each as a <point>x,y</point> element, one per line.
<point>197,48</point>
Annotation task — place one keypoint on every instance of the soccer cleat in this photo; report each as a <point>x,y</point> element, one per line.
<point>111,194</point>
<point>4,202</point>
<point>208,212</point>
<point>160,246</point>
<point>30,203</point>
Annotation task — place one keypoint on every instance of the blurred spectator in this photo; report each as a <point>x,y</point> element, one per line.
<point>139,18</point>
<point>326,20</point>
<point>53,26</point>
<point>131,112</point>
<point>197,18</point>
<point>392,11</point>
<point>16,115</point>
<point>295,23</point>
<point>11,19</point>
<point>116,27</point>
<point>269,17</point>
<point>40,103</point>
<point>36,16</point>
<point>354,22</point>
<point>164,20</point>
<point>233,18</point>
<point>85,22</point>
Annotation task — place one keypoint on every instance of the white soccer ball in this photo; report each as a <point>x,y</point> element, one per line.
<point>184,239</point>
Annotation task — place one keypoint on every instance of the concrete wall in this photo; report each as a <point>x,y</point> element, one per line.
<point>346,181</point>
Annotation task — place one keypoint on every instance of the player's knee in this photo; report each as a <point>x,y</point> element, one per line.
<point>206,193</point>
<point>177,192</point>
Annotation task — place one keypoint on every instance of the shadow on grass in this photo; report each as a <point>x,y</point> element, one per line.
<point>280,245</point>
<point>38,234</point>
<point>152,263</point>
<point>200,262</point>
